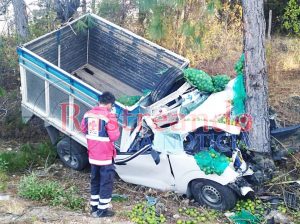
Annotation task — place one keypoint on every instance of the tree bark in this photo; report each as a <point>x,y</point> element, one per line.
<point>256,81</point>
<point>21,19</point>
<point>270,25</point>
<point>66,8</point>
<point>83,6</point>
<point>93,6</point>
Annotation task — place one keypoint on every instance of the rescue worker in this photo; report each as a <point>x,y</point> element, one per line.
<point>101,129</point>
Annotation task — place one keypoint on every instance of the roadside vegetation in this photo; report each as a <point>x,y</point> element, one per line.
<point>27,158</point>
<point>212,40</point>
<point>49,191</point>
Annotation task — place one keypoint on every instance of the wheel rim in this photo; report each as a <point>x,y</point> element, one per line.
<point>70,159</point>
<point>211,194</point>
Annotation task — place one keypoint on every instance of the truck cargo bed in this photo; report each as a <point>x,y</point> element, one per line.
<point>64,72</point>
<point>104,82</point>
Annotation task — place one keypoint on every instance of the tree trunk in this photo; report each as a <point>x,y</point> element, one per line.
<point>256,80</point>
<point>93,6</point>
<point>66,8</point>
<point>270,25</point>
<point>123,11</point>
<point>21,19</point>
<point>83,5</point>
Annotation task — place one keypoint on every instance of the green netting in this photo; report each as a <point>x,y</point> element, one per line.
<point>128,100</point>
<point>220,81</point>
<point>244,217</point>
<point>211,162</point>
<point>239,89</point>
<point>200,79</point>
<point>131,100</point>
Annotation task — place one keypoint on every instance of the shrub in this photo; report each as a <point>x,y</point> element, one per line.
<point>291,17</point>
<point>28,156</point>
<point>3,165</point>
<point>31,187</point>
<point>2,92</point>
<point>3,181</point>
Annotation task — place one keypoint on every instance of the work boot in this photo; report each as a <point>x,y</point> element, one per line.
<point>94,209</point>
<point>103,213</point>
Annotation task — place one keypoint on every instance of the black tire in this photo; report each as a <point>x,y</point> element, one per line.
<point>72,154</point>
<point>171,80</point>
<point>213,195</point>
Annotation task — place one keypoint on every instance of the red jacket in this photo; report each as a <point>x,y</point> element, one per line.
<point>101,129</point>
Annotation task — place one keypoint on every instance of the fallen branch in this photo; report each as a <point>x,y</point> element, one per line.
<point>279,142</point>
<point>284,182</point>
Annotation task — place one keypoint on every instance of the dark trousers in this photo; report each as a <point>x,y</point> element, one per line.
<point>102,178</point>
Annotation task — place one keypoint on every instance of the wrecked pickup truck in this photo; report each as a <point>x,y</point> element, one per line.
<point>162,134</point>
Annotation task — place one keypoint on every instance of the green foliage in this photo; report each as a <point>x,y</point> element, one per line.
<point>110,9</point>
<point>27,156</point>
<point>8,55</point>
<point>291,17</point>
<point>150,5</point>
<point>31,187</point>
<point>157,29</point>
<point>188,29</point>
<point>3,181</point>
<point>2,92</point>
<point>3,165</point>
<point>81,26</point>
<point>214,5</point>
<point>42,23</point>
<point>3,175</point>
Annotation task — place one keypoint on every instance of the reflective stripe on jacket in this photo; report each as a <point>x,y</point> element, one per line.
<point>101,130</point>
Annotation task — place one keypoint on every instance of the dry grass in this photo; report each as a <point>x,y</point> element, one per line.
<point>14,206</point>
<point>221,49</point>
<point>284,78</point>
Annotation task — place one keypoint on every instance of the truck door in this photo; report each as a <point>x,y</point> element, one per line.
<point>140,168</point>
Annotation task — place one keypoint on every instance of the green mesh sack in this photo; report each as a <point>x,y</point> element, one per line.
<point>220,81</point>
<point>244,217</point>
<point>128,100</point>
<point>210,161</point>
<point>239,89</point>
<point>200,79</point>
<point>131,100</point>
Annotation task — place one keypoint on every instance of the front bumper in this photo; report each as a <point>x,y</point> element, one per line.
<point>241,186</point>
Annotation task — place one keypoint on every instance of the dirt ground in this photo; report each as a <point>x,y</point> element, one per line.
<point>14,209</point>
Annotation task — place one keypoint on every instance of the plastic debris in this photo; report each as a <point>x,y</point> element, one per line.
<point>244,217</point>
<point>239,88</point>
<point>119,197</point>
<point>151,200</point>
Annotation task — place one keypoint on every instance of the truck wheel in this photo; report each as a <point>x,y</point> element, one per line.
<point>213,195</point>
<point>72,154</point>
<point>170,80</point>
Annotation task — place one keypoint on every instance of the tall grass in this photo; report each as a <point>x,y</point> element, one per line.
<point>31,187</point>
<point>27,157</point>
